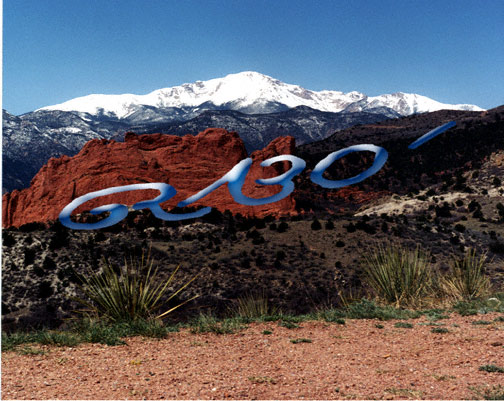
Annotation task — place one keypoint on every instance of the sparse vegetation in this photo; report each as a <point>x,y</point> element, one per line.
<point>481,322</point>
<point>27,350</point>
<point>436,314</point>
<point>262,379</point>
<point>315,225</point>
<point>206,323</point>
<point>440,330</point>
<point>86,330</point>
<point>129,293</point>
<point>282,227</point>
<point>365,309</point>
<point>253,306</point>
<point>497,247</point>
<point>398,276</point>
<point>467,279</point>
<point>8,239</point>
<point>112,333</point>
<point>300,340</point>
<point>488,393</point>
<point>289,325</point>
<point>491,369</point>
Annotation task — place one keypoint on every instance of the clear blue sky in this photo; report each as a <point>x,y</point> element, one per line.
<point>55,50</point>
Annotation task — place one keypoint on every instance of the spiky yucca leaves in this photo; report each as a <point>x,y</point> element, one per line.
<point>131,292</point>
<point>399,276</point>
<point>253,306</point>
<point>467,279</point>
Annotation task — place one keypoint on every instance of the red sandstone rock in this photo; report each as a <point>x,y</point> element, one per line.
<point>189,163</point>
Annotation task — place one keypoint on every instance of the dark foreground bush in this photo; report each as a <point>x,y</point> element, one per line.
<point>128,293</point>
<point>399,276</point>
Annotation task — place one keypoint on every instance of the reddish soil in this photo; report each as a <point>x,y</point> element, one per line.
<point>352,361</point>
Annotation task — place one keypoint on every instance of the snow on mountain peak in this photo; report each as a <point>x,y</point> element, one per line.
<point>250,92</point>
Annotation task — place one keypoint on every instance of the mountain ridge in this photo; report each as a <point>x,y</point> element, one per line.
<point>52,133</point>
<point>250,92</point>
<point>257,106</point>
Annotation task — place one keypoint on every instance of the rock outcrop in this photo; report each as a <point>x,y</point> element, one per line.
<point>189,163</point>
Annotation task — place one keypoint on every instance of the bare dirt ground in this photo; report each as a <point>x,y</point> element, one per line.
<point>352,361</point>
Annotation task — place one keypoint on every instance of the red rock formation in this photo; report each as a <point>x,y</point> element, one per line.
<point>189,163</point>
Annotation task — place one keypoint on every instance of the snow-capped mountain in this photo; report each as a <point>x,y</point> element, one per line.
<point>406,104</point>
<point>260,108</point>
<point>248,92</point>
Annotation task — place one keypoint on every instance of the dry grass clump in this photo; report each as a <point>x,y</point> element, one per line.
<point>405,278</point>
<point>253,306</point>
<point>466,280</point>
<point>399,276</point>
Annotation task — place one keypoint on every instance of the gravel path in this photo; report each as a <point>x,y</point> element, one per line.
<point>352,361</point>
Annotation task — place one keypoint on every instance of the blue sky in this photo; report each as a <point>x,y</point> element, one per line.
<point>55,50</point>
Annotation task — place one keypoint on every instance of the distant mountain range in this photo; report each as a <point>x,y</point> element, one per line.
<point>248,92</point>
<point>257,130</point>
<point>257,106</point>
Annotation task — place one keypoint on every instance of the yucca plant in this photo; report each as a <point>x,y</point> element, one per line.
<point>398,276</point>
<point>467,279</point>
<point>128,293</point>
<point>253,306</point>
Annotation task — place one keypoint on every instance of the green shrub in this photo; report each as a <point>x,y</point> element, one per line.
<point>300,340</point>
<point>88,330</point>
<point>467,279</point>
<point>27,350</point>
<point>493,393</point>
<point>365,309</point>
<point>103,334</point>
<point>399,276</point>
<point>288,325</point>
<point>206,323</point>
<point>439,330</point>
<point>60,339</point>
<point>331,315</point>
<point>481,306</point>
<point>11,341</point>
<point>491,369</point>
<point>435,314</point>
<point>96,331</point>
<point>133,292</point>
<point>465,308</point>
